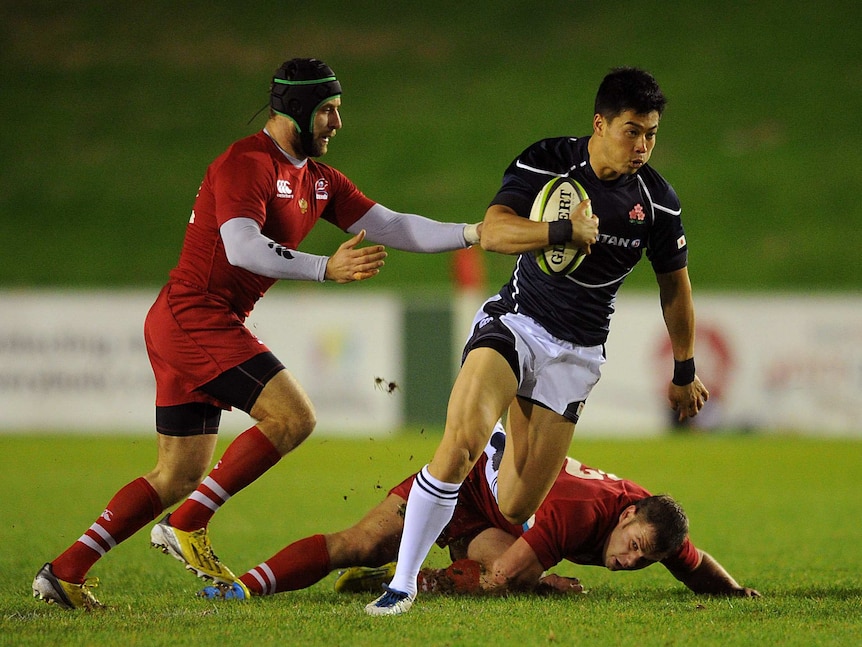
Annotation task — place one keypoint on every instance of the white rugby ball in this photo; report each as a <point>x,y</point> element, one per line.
<point>556,201</point>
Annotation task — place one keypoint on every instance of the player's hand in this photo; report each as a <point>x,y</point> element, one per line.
<point>585,226</point>
<point>553,583</point>
<point>352,263</point>
<point>687,400</point>
<point>745,592</point>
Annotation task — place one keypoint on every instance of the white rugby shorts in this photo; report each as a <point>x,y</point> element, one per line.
<point>551,372</point>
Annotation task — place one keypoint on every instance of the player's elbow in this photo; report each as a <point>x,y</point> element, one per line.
<point>235,256</point>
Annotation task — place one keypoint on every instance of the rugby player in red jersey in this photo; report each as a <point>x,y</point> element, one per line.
<point>256,204</point>
<point>589,517</point>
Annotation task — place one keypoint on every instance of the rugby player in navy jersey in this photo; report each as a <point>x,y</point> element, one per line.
<point>537,347</point>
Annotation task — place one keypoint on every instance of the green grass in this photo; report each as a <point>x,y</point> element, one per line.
<point>778,512</point>
<point>112,112</point>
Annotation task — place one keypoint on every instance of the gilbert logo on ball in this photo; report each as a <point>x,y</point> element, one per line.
<point>556,201</point>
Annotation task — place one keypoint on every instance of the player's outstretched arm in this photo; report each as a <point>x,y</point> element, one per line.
<point>516,569</point>
<point>413,233</point>
<point>710,578</point>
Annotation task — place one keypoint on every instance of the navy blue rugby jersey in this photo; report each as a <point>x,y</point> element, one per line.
<point>636,213</point>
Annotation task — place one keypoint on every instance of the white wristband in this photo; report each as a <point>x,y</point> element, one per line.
<point>471,233</point>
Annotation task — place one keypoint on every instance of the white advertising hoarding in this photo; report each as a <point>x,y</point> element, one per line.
<point>771,362</point>
<point>75,361</point>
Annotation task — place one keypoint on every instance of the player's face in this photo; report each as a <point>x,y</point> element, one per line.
<point>327,121</point>
<point>624,143</point>
<point>629,546</point>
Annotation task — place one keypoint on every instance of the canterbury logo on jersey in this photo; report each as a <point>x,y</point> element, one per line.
<point>283,188</point>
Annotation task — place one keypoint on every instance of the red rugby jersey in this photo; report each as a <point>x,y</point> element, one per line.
<point>253,179</point>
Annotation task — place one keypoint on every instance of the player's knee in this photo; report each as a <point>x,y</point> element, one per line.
<point>455,456</point>
<point>355,547</point>
<point>290,428</point>
<point>173,486</point>
<point>301,425</point>
<point>514,512</point>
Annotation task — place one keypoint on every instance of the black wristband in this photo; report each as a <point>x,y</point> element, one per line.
<point>683,372</point>
<point>559,232</point>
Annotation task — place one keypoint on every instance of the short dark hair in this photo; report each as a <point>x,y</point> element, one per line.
<point>668,520</point>
<point>629,88</point>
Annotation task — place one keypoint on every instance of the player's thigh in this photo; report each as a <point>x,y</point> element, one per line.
<point>372,541</point>
<point>537,441</point>
<point>482,391</point>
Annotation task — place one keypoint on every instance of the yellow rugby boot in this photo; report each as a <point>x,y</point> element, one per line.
<point>363,579</point>
<point>51,589</point>
<point>193,549</point>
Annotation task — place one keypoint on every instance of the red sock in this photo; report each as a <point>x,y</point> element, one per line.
<point>246,458</point>
<point>297,566</point>
<point>132,508</point>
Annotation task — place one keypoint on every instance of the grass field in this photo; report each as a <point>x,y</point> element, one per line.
<point>780,513</point>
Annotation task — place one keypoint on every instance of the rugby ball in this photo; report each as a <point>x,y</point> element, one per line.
<point>556,201</point>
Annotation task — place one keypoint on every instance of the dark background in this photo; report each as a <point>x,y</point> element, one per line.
<point>110,116</point>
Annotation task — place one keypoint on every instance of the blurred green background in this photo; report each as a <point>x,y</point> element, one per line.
<point>111,113</point>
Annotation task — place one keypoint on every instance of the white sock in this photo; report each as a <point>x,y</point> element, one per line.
<point>429,508</point>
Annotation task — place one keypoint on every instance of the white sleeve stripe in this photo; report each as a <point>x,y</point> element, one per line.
<point>673,212</point>
<point>653,203</point>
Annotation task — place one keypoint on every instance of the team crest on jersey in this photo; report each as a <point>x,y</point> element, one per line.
<point>321,189</point>
<point>637,214</point>
<point>303,205</point>
<point>283,188</point>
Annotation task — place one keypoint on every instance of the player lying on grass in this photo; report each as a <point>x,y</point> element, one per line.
<point>589,517</point>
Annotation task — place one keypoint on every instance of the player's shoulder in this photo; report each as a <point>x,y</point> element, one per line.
<point>553,155</point>
<point>661,191</point>
<point>257,142</point>
<point>316,167</point>
<point>256,149</point>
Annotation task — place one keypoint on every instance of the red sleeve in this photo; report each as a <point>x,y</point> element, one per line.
<point>684,560</point>
<point>347,203</point>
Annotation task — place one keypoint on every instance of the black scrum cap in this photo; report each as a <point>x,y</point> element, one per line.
<point>300,86</point>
